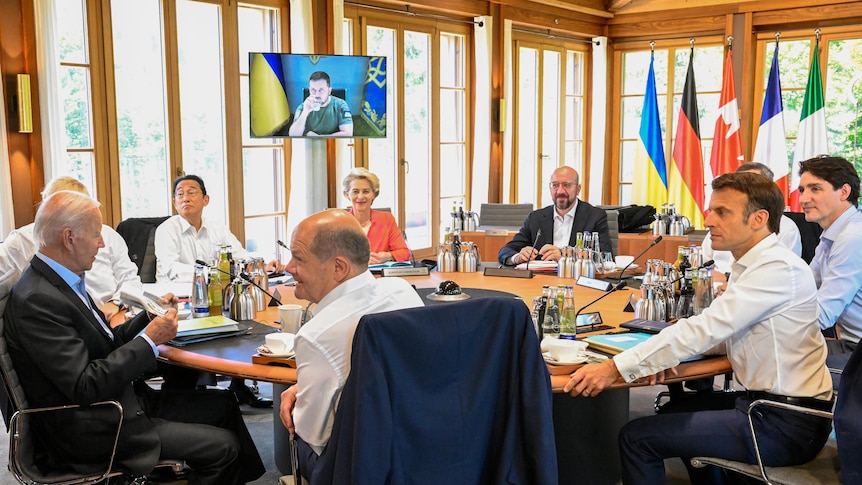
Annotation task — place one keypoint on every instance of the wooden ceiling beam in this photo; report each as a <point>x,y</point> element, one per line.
<point>531,19</point>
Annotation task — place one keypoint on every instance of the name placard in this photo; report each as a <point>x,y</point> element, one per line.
<point>594,283</point>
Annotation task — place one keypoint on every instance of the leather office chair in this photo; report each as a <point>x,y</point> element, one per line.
<point>139,234</point>
<point>503,216</point>
<point>844,451</point>
<point>809,232</point>
<point>27,461</point>
<point>449,393</point>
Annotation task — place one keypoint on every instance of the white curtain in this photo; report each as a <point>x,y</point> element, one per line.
<point>7,215</point>
<point>51,110</point>
<point>483,122</point>
<point>598,118</point>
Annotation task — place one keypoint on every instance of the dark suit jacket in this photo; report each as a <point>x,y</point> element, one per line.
<point>587,218</point>
<point>63,355</point>
<point>455,393</point>
<point>848,426</point>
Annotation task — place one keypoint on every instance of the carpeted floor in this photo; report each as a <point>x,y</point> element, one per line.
<point>259,422</point>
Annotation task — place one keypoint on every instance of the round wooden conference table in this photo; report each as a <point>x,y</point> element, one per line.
<point>585,429</point>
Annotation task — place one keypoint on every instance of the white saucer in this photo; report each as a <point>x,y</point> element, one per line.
<point>279,356</point>
<point>550,360</point>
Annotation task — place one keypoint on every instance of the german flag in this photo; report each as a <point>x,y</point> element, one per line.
<point>686,172</point>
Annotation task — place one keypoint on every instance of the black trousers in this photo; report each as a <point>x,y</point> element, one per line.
<point>206,429</point>
<point>784,437</point>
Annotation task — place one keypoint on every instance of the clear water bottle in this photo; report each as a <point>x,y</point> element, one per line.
<point>551,322</point>
<point>200,293</point>
<point>568,323</point>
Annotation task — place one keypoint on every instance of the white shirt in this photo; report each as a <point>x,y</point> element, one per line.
<point>563,226</point>
<point>323,346</point>
<point>788,236</point>
<point>178,245</point>
<point>767,318</point>
<point>112,271</point>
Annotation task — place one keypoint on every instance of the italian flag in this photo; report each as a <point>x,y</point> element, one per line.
<point>811,139</point>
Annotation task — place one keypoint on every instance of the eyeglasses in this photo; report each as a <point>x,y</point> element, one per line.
<point>565,185</point>
<point>191,193</point>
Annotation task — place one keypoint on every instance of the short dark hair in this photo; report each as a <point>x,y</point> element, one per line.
<point>350,242</point>
<point>756,166</point>
<point>194,178</point>
<point>835,170</point>
<point>318,75</point>
<point>762,193</point>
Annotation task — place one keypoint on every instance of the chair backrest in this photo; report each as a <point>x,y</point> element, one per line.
<point>139,234</point>
<point>848,426</point>
<point>613,229</point>
<point>449,393</point>
<point>508,216</point>
<point>12,396</point>
<point>809,232</point>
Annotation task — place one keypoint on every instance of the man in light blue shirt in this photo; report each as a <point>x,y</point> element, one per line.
<point>829,193</point>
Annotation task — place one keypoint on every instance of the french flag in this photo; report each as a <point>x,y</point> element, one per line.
<point>770,147</point>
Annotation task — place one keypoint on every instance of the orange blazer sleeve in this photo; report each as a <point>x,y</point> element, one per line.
<point>384,235</point>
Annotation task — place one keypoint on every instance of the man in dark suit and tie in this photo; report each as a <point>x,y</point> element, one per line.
<point>559,223</point>
<point>65,353</point>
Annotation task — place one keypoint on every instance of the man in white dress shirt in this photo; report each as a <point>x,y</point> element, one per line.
<point>189,236</point>
<point>766,323</point>
<point>112,271</point>
<point>788,232</point>
<point>330,265</point>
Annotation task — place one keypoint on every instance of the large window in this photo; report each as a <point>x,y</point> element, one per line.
<point>423,162</point>
<point>634,66</point>
<point>175,98</point>
<point>549,116</point>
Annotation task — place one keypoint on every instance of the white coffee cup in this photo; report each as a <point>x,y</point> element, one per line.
<point>280,343</point>
<point>623,261</point>
<point>291,316</point>
<point>565,350</point>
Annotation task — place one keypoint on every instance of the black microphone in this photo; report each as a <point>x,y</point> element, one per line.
<point>704,265</point>
<point>241,275</point>
<point>619,286</point>
<point>535,241</point>
<point>655,241</point>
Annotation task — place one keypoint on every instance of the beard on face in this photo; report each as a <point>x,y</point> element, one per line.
<point>563,202</point>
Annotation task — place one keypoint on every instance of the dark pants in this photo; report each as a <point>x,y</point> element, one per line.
<point>205,428</point>
<point>784,438</point>
<point>306,458</point>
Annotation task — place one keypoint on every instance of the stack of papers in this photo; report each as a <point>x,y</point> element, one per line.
<point>537,265</point>
<point>615,343</point>
<point>206,326</point>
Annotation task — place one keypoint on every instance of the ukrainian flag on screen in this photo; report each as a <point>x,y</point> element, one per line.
<point>374,97</point>
<point>268,105</point>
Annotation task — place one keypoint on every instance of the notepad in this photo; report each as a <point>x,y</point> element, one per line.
<point>615,343</point>
<point>207,325</point>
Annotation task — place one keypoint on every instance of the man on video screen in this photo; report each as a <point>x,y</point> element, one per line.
<point>322,114</point>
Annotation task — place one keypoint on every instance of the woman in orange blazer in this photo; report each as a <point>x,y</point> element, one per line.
<point>361,187</point>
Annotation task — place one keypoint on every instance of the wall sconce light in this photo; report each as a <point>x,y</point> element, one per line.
<point>24,105</point>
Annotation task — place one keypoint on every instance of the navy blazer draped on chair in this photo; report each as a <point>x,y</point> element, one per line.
<point>454,394</point>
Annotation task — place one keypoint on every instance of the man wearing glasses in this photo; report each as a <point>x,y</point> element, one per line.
<point>558,223</point>
<point>189,236</point>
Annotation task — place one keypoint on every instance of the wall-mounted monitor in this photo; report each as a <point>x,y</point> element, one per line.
<point>310,95</point>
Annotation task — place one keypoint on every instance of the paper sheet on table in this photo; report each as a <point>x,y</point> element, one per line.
<point>538,265</point>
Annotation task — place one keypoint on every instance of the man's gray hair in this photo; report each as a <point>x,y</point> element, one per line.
<point>61,210</point>
<point>349,242</point>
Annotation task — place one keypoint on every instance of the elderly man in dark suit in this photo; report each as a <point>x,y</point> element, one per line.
<point>559,223</point>
<point>64,352</point>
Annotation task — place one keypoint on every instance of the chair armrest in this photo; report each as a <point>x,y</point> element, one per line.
<point>19,432</point>
<point>779,405</point>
